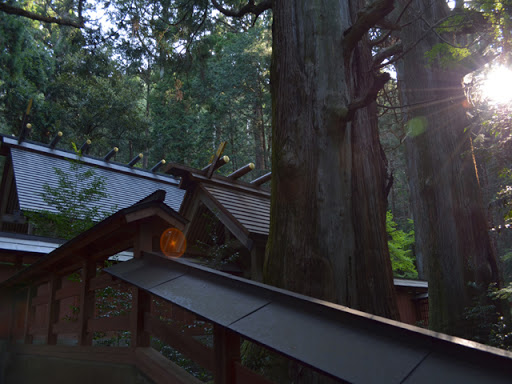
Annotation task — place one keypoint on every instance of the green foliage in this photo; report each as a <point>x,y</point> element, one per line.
<point>71,201</point>
<point>401,250</point>
<point>445,55</point>
<point>25,68</point>
<point>506,262</point>
<point>485,324</point>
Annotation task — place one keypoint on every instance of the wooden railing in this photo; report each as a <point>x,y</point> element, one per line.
<point>62,318</point>
<point>66,306</point>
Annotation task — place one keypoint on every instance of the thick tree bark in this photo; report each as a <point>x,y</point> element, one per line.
<point>327,236</point>
<point>258,131</point>
<point>452,242</point>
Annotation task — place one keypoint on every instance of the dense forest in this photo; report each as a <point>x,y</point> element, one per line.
<point>380,123</point>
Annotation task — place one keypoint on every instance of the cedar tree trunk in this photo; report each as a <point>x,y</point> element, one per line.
<point>327,235</point>
<point>452,240</point>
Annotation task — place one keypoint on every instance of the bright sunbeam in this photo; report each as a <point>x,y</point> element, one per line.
<point>497,87</point>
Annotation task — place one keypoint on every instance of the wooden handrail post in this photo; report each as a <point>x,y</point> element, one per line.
<point>226,345</point>
<point>53,309</point>
<point>29,314</point>
<point>141,304</point>
<point>13,298</point>
<point>87,299</point>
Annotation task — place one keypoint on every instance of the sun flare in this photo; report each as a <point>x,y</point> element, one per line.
<point>497,86</point>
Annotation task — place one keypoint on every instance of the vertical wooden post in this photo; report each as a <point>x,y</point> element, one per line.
<point>141,300</point>
<point>141,303</point>
<point>12,298</point>
<point>87,299</point>
<point>29,314</point>
<point>143,240</point>
<point>226,345</point>
<point>257,261</point>
<point>18,263</point>
<point>53,309</point>
<point>11,302</point>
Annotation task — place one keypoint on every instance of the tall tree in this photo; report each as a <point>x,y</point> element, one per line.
<point>327,234</point>
<point>452,242</point>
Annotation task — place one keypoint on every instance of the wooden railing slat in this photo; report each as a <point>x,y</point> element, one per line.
<point>68,291</point>
<point>104,324</point>
<point>102,281</point>
<point>40,300</point>
<point>29,314</point>
<point>190,347</point>
<point>160,369</point>
<point>248,376</point>
<point>64,327</point>
<point>87,300</point>
<point>53,309</point>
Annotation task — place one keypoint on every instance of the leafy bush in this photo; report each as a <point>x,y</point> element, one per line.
<point>401,250</point>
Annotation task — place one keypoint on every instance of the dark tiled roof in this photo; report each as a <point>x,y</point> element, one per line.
<point>250,210</point>
<point>34,166</point>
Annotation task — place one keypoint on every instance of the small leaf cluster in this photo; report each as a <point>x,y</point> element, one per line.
<point>446,56</point>
<point>400,245</point>
<point>72,203</point>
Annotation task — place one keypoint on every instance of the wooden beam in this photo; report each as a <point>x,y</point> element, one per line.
<point>141,305</point>
<point>64,327</point>
<point>189,346</point>
<point>247,376</point>
<point>160,369</point>
<point>87,299</point>
<point>226,218</point>
<point>120,355</point>
<point>29,314</point>
<point>241,171</point>
<point>226,345</point>
<point>52,313</point>
<point>68,291</point>
<point>217,156</point>
<point>221,161</point>
<point>257,261</point>
<point>262,179</point>
<point>102,281</point>
<point>13,298</point>
<point>5,187</point>
<point>105,324</point>
<point>13,219</point>
<point>40,300</point>
<point>143,240</point>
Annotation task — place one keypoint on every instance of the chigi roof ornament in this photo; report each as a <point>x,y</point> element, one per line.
<point>111,153</point>
<point>56,139</point>
<point>135,160</point>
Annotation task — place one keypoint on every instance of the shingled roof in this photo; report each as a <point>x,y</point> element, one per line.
<point>34,166</point>
<point>242,207</point>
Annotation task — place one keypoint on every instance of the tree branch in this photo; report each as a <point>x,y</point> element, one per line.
<point>250,7</point>
<point>367,18</point>
<point>34,16</point>
<point>378,83</point>
<point>386,52</point>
